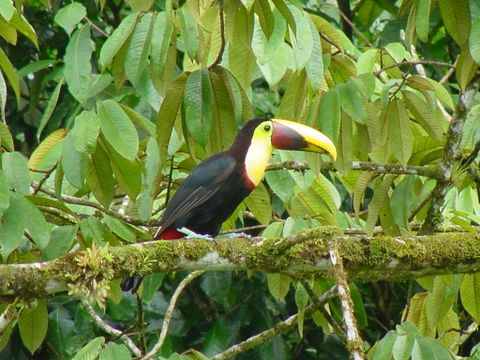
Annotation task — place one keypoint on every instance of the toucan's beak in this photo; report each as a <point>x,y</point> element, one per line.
<point>289,135</point>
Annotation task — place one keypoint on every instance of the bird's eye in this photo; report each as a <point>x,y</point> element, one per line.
<point>267,127</point>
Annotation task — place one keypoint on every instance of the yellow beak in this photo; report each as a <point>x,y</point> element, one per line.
<point>290,135</point>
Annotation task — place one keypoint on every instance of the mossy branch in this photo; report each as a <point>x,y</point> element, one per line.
<point>365,259</point>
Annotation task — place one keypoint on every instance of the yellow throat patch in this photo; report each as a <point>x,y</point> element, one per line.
<point>259,152</point>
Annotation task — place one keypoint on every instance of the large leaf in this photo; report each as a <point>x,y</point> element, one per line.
<point>91,350</point>
<point>456,18</point>
<point>198,103</point>
<point>99,176</point>
<point>33,325</point>
<point>475,31</point>
<point>380,195</point>
<point>188,31</point>
<point>138,49</point>
<point>52,103</point>
<point>69,16</point>
<point>9,71</point>
<point>73,163</point>
<point>470,295</point>
<point>278,285</point>
<point>85,131</point>
<point>117,39</point>
<point>118,129</point>
<point>259,204</point>
<point>400,131</point>
<point>15,167</point>
<point>77,63</point>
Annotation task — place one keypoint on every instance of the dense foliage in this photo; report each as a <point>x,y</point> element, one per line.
<point>106,106</point>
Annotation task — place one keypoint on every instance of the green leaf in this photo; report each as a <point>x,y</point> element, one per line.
<point>259,204</point>
<point>465,69</point>
<point>198,102</point>
<point>475,32</point>
<point>3,97</point>
<point>278,285</point>
<point>301,297</point>
<point>383,349</point>
<point>61,240</point>
<point>470,295</point>
<point>422,113</point>
<point>120,229</point>
<point>114,351</point>
<point>19,22</point>
<point>265,16</point>
<point>352,102</point>
<point>73,163</point>
<point>33,325</point>
<point>117,39</point>
<point>15,168</point>
<point>423,19</point>
<point>224,124</point>
<point>188,31</point>
<point>85,131</point>
<point>91,350</point>
<point>301,38</point>
<point>427,349</point>
<point>6,9</point>
<point>9,71</point>
<point>12,226</point>
<point>152,168</point>
<point>138,49</point>
<point>6,137</point>
<point>442,94</point>
<point>314,64</point>
<point>163,31</point>
<point>403,346</point>
<point>216,285</point>
<point>99,176</point>
<point>456,18</point>
<point>168,113</point>
<point>118,129</point>
<point>4,193</point>
<point>69,16</point>
<point>399,131</point>
<point>36,225</point>
<point>448,330</point>
<point>127,172</point>
<point>221,334</point>
<point>52,103</point>
<point>442,297</point>
<point>380,195</point>
<point>150,285</point>
<point>77,63</point>
<point>329,114</point>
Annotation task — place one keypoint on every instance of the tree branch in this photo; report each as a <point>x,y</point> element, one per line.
<point>362,166</point>
<point>168,315</point>
<point>110,330</point>
<point>451,155</point>
<point>354,340</point>
<point>280,328</point>
<point>413,63</point>
<point>365,258</point>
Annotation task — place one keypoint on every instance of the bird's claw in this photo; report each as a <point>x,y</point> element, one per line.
<point>237,235</point>
<point>193,235</point>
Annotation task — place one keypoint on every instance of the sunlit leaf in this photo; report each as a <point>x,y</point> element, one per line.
<point>69,16</point>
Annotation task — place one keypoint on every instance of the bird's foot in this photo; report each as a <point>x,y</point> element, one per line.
<point>237,235</point>
<point>193,235</point>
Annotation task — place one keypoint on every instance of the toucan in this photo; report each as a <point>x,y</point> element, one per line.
<point>215,187</point>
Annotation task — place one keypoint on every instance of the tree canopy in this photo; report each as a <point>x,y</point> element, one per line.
<point>107,105</point>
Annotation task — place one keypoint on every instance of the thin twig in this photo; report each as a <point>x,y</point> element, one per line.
<point>41,182</point>
<point>413,63</point>
<point>465,336</point>
<point>362,166</point>
<point>354,340</point>
<point>100,31</point>
<point>168,315</point>
<point>110,330</point>
<point>141,324</point>
<point>321,307</point>
<point>279,328</point>
<point>218,60</point>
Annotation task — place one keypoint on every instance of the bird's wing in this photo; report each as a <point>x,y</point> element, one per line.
<point>203,182</point>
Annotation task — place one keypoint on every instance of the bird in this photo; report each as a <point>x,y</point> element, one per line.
<point>216,186</point>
